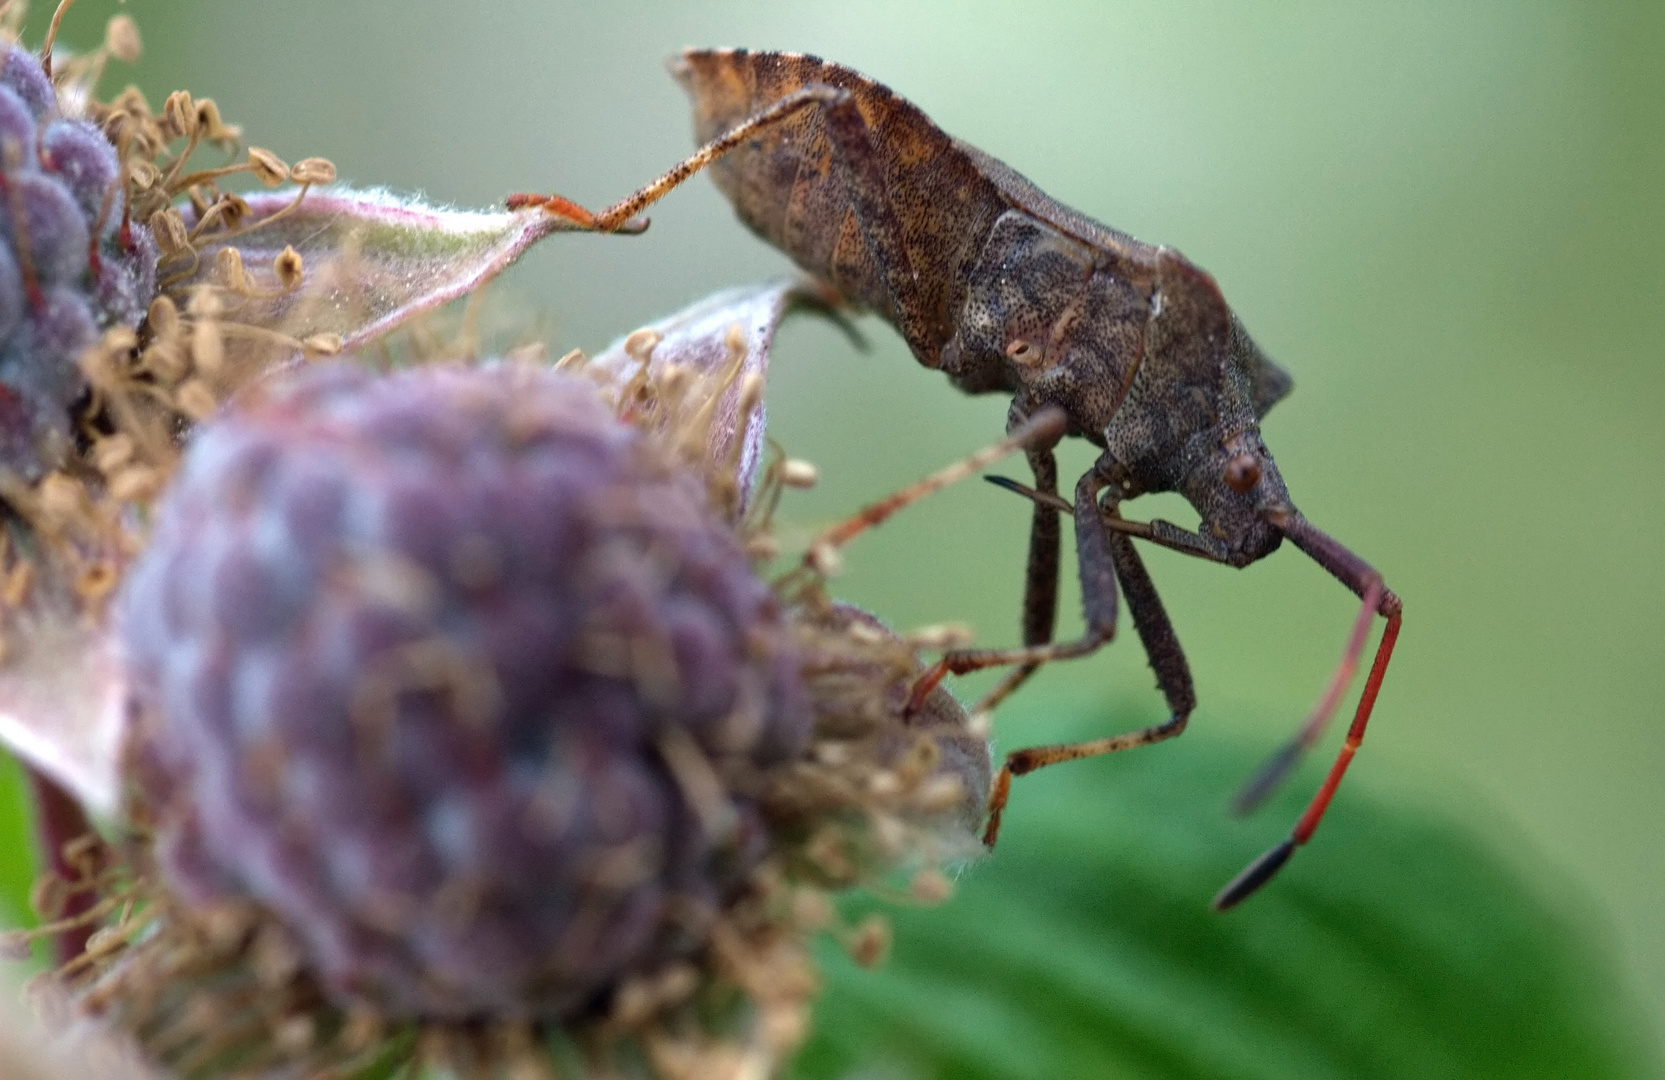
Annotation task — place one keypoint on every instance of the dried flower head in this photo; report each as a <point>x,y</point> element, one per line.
<point>99,370</point>
<point>482,745</point>
<point>446,669</point>
<point>103,214</point>
<point>470,735</point>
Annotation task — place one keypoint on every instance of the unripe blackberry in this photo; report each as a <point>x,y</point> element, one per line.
<point>22,74</point>
<point>69,267</point>
<point>457,675</point>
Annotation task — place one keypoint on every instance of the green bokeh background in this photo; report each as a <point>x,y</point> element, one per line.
<point>1446,219</point>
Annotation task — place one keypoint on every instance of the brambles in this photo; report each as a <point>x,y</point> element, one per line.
<point>467,729</point>
<point>465,732</point>
<point>447,670</point>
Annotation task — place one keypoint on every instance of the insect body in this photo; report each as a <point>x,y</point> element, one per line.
<point>1002,288</point>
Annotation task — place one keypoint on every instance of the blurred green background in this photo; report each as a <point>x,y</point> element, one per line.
<point>1447,220</point>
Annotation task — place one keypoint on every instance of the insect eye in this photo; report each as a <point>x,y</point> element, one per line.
<point>1242,473</point>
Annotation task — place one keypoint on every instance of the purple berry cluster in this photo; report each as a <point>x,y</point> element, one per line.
<point>458,675</point>
<point>69,266</point>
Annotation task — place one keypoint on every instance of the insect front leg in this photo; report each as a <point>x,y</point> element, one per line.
<point>1040,581</point>
<point>1040,584</point>
<point>621,216</point>
<point>1167,659</point>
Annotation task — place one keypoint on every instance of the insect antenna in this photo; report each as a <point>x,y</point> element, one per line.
<point>1277,767</point>
<point>822,556</point>
<point>1363,580</point>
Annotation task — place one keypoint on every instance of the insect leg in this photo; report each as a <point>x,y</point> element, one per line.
<point>621,216</point>
<point>857,160</point>
<point>1045,426</point>
<point>1167,659</point>
<point>1040,581</point>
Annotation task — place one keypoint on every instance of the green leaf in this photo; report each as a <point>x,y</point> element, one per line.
<point>1400,943</point>
<point>17,868</point>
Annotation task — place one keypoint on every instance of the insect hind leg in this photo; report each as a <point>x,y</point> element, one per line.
<point>859,163</point>
<point>621,216</point>
<point>1040,581</point>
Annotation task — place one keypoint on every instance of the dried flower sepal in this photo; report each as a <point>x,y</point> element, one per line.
<point>729,334</point>
<point>55,1047</point>
<point>271,279</point>
<point>61,710</point>
<point>356,264</point>
<point>875,798</point>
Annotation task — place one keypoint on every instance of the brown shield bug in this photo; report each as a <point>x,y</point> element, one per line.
<point>1002,288</point>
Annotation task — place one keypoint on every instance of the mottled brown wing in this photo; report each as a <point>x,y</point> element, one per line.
<point>1134,258</point>
<point>785,186</point>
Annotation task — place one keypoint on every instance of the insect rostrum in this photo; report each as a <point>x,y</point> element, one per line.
<point>1002,288</point>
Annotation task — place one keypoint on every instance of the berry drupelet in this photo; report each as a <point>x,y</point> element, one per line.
<point>71,264</point>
